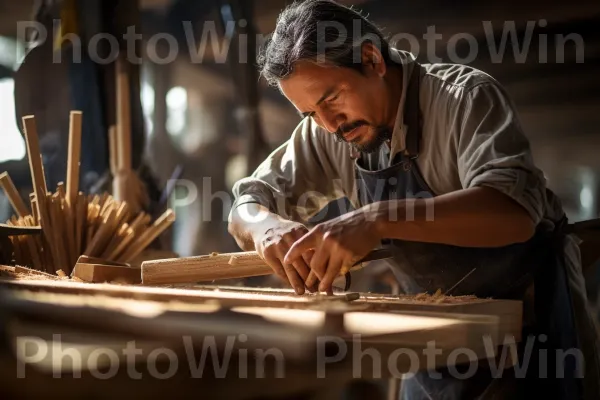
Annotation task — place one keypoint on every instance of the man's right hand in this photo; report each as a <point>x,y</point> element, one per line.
<point>274,244</point>
<point>272,237</point>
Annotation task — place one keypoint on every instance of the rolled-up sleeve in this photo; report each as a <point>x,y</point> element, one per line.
<point>300,177</point>
<point>493,150</point>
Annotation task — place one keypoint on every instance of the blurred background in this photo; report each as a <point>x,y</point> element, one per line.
<point>201,114</point>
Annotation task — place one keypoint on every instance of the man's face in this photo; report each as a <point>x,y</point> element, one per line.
<point>343,101</point>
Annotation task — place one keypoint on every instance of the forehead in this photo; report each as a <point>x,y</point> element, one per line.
<point>309,81</point>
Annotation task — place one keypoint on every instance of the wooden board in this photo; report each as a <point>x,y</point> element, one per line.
<point>100,273</point>
<point>268,318</point>
<point>406,329</point>
<point>508,312</point>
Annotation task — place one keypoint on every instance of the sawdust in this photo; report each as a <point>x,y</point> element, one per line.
<point>26,274</point>
<point>436,298</point>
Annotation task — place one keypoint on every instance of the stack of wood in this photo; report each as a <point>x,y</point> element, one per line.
<point>74,224</point>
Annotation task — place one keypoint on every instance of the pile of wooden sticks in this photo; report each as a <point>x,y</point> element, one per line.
<point>74,224</point>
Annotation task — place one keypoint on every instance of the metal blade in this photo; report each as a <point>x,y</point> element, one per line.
<point>343,282</point>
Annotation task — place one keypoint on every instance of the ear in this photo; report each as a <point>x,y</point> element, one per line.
<point>372,60</point>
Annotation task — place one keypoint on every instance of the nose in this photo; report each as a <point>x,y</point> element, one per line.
<point>330,121</point>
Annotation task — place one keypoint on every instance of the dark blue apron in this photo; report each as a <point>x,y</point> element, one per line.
<point>504,273</point>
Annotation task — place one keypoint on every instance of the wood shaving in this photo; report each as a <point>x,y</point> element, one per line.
<point>61,273</point>
<point>437,298</point>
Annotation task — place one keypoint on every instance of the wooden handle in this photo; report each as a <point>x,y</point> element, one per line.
<point>204,268</point>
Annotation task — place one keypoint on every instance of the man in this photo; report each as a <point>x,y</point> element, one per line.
<point>436,165</point>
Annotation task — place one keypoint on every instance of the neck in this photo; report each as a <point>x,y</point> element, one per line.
<point>394,83</point>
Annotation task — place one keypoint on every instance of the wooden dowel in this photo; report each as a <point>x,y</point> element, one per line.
<point>107,207</point>
<point>159,226</point>
<point>114,241</point>
<point>39,184</point>
<point>122,214</point>
<point>67,225</point>
<point>34,208</point>
<point>58,230</point>
<point>127,239</point>
<point>46,212</point>
<point>81,223</point>
<point>60,190</point>
<point>142,219</point>
<point>74,155</point>
<point>32,245</point>
<point>43,173</point>
<point>35,162</point>
<point>204,268</point>
<point>13,195</point>
<point>103,200</point>
<point>102,236</point>
<point>92,223</point>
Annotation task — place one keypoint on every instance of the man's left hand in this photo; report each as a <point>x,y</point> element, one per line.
<point>338,244</point>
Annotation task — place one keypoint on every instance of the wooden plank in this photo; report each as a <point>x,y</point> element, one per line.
<point>100,273</point>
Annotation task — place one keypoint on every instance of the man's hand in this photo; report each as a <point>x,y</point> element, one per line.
<point>338,244</point>
<point>273,245</point>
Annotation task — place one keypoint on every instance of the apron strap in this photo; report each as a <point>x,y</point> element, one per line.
<point>412,112</point>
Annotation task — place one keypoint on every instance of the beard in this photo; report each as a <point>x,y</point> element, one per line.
<point>382,135</point>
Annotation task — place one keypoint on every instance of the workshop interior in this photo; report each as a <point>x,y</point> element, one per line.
<point>126,127</point>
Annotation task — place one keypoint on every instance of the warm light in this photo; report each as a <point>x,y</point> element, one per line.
<point>13,145</point>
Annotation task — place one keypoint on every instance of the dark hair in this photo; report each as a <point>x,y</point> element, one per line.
<point>318,31</point>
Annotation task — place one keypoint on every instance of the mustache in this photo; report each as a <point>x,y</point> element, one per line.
<point>343,129</point>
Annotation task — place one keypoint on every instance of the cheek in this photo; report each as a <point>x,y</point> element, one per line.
<point>361,107</point>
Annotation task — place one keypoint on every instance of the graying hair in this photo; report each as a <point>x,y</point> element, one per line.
<point>319,31</point>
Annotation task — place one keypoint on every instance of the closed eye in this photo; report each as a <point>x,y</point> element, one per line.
<point>334,98</point>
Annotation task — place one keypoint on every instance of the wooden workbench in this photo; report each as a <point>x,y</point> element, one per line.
<point>300,327</point>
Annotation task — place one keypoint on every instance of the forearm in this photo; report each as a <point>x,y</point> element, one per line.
<point>475,217</point>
